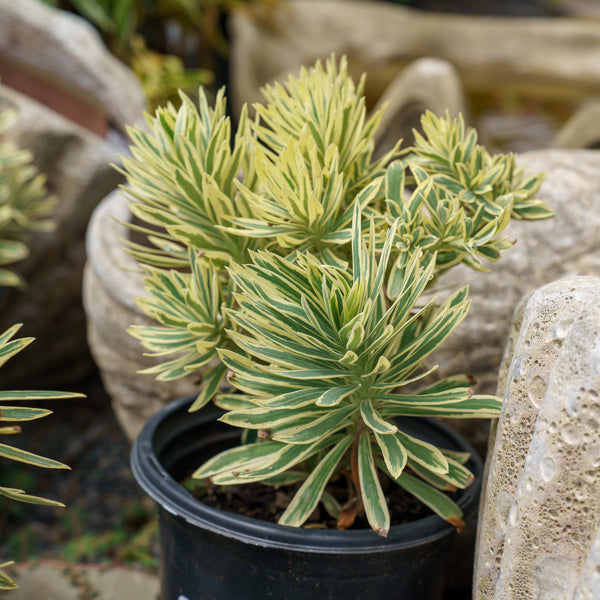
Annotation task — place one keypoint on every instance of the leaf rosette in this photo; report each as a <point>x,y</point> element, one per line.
<point>322,354</point>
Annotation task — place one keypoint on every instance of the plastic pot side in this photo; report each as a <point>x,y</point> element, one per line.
<point>211,554</point>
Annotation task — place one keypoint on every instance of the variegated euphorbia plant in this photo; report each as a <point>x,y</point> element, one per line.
<point>259,266</point>
<point>322,358</point>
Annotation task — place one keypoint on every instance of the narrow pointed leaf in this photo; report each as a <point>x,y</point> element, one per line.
<point>372,495</point>
<point>29,458</point>
<point>307,497</point>
<point>394,453</point>
<point>373,420</point>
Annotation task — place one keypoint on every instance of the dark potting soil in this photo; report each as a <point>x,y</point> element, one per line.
<point>268,502</point>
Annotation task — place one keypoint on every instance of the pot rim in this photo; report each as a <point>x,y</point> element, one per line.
<point>173,498</point>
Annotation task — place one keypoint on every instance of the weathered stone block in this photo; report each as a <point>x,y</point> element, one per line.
<point>540,508</point>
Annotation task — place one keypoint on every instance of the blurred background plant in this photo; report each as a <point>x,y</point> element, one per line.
<point>169,44</point>
<point>15,415</point>
<point>25,207</point>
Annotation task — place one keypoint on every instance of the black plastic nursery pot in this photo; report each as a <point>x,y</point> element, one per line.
<point>210,554</point>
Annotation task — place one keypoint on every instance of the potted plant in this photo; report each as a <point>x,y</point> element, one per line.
<point>293,267</point>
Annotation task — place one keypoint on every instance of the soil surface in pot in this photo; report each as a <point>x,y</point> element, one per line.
<point>268,503</point>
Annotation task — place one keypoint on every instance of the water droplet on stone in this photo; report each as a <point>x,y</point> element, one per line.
<point>569,434</point>
<point>513,516</point>
<point>562,328</point>
<point>536,391</point>
<point>504,502</point>
<point>548,469</point>
<point>571,405</point>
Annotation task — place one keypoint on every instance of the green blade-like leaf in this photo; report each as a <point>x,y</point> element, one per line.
<point>21,413</point>
<point>6,583</point>
<point>240,457</point>
<point>424,453</point>
<point>287,457</point>
<point>373,420</point>
<point>21,395</point>
<point>394,453</point>
<point>439,503</point>
<point>265,418</point>
<point>333,396</point>
<point>211,382</point>
<point>29,458</point>
<point>21,496</point>
<point>315,429</point>
<point>458,476</point>
<point>372,495</point>
<point>307,497</point>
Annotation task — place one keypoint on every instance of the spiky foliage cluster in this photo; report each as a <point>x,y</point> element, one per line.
<point>24,204</point>
<point>321,358</point>
<point>9,413</point>
<point>463,198</point>
<point>266,235</point>
<point>486,184</point>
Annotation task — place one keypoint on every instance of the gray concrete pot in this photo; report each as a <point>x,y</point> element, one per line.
<point>112,282</point>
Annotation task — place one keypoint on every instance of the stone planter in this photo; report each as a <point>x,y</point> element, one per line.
<point>540,510</point>
<point>554,57</point>
<point>112,281</point>
<point>79,173</point>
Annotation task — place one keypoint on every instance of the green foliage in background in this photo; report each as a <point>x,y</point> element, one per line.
<point>169,44</point>
<point>15,415</point>
<point>25,206</point>
<point>292,265</point>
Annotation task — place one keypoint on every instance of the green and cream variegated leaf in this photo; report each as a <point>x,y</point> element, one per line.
<point>192,324</point>
<point>448,152</point>
<point>308,495</point>
<point>6,583</point>
<point>25,206</point>
<point>439,502</point>
<point>372,495</point>
<point>9,347</point>
<point>327,103</point>
<point>182,176</point>
<point>463,200</point>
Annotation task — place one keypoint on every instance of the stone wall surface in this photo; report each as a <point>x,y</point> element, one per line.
<point>540,506</point>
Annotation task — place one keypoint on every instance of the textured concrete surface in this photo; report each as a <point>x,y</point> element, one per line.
<point>53,580</point>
